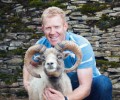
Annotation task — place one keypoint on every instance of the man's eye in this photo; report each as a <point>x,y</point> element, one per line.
<point>47,29</point>
<point>56,27</point>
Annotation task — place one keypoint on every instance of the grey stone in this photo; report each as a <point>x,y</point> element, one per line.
<point>16,43</point>
<point>16,60</point>
<point>116,86</point>
<point>116,8</point>
<point>76,14</point>
<point>71,7</point>
<point>115,59</point>
<point>117,70</point>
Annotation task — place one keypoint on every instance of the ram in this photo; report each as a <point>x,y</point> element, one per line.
<point>51,71</point>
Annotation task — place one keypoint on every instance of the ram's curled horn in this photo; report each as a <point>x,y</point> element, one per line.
<point>28,57</point>
<point>70,45</point>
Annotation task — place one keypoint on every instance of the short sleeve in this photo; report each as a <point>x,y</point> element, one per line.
<point>88,59</point>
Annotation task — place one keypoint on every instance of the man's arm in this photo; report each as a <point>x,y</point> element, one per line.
<point>85,81</point>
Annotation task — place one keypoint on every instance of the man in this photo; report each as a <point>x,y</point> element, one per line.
<point>87,82</point>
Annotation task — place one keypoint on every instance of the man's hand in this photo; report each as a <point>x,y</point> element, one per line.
<point>51,94</point>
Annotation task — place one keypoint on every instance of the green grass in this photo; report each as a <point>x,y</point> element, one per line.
<point>103,64</point>
<point>43,4</point>
<point>11,77</point>
<point>92,8</point>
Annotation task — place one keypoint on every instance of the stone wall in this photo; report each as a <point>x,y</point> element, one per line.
<point>106,45</point>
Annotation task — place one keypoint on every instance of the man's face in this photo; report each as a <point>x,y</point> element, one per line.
<point>54,29</point>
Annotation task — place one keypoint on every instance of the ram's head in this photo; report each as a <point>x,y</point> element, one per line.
<point>52,58</point>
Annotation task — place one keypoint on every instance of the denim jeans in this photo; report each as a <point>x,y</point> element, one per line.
<point>101,89</point>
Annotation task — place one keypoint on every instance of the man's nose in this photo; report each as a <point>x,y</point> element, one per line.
<point>52,31</point>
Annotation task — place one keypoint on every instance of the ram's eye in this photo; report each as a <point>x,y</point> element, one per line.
<point>42,57</point>
<point>59,56</point>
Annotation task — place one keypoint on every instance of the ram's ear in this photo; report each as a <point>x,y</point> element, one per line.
<point>66,54</point>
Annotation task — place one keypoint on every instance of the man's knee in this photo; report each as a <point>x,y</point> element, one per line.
<point>101,89</point>
<point>102,84</point>
<point>107,84</point>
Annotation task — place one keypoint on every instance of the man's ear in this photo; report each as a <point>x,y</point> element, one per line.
<point>65,26</point>
<point>42,28</point>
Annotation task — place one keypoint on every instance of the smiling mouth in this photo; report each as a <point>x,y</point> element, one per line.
<point>53,38</point>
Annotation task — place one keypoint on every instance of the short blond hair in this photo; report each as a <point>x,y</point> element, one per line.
<point>53,11</point>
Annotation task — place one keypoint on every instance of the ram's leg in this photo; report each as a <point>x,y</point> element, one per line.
<point>41,97</point>
<point>66,84</point>
<point>33,94</point>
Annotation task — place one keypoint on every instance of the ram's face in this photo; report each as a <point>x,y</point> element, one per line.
<point>52,58</point>
<point>53,62</point>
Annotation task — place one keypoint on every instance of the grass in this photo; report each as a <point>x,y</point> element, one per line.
<point>103,64</point>
<point>11,77</point>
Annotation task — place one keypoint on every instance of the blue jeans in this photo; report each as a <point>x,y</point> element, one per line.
<point>101,89</point>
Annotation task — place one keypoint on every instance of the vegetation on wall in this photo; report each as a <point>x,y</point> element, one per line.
<point>92,8</point>
<point>105,22</point>
<point>11,77</point>
<point>3,53</point>
<point>5,9</point>
<point>104,64</point>
<point>42,3</point>
<point>15,24</point>
<point>18,51</point>
<point>47,3</point>
<point>21,93</point>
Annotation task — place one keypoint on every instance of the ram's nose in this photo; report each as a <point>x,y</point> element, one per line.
<point>50,65</point>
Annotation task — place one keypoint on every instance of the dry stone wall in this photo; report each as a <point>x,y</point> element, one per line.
<point>106,45</point>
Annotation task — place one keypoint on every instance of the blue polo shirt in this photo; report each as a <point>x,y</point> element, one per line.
<point>88,57</point>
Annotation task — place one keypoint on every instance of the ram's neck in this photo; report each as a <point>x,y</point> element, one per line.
<point>56,83</point>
